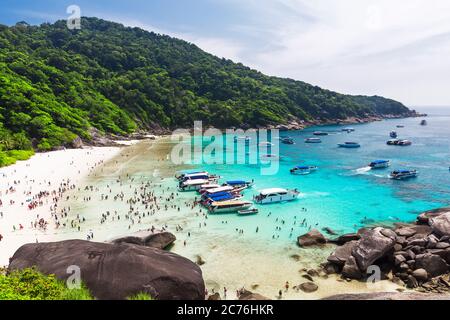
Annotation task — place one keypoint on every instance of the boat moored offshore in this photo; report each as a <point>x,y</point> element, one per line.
<point>404,174</point>
<point>393,134</point>
<point>320,133</point>
<point>275,195</point>
<point>380,164</point>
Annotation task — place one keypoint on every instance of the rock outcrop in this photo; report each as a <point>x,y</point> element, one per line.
<point>417,255</point>
<point>441,224</point>
<point>373,245</point>
<point>312,238</point>
<point>116,271</point>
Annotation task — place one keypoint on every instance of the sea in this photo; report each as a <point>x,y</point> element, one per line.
<point>345,194</point>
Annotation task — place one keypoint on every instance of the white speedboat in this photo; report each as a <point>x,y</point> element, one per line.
<point>404,174</point>
<point>348,130</point>
<point>380,164</point>
<point>182,175</point>
<point>303,170</point>
<point>229,206</point>
<point>275,195</point>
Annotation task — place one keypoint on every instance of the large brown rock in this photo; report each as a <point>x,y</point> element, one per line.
<point>342,253</point>
<point>158,240</point>
<point>373,245</point>
<point>425,217</point>
<point>433,264</point>
<point>351,269</point>
<point>441,224</point>
<point>312,238</point>
<point>116,271</point>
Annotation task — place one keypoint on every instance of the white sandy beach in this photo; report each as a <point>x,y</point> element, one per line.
<point>43,172</point>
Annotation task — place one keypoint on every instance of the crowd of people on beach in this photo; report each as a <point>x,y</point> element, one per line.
<point>128,201</point>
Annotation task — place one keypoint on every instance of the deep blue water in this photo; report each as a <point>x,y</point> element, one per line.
<point>344,195</point>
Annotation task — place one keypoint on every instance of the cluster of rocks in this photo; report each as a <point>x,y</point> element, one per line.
<point>416,255</point>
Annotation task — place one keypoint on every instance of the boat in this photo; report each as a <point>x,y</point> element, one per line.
<point>229,206</point>
<point>275,195</point>
<point>349,145</point>
<point>313,140</point>
<point>182,174</point>
<point>303,170</point>
<point>400,126</point>
<point>380,164</point>
<point>348,130</point>
<point>192,185</point>
<point>320,133</point>
<point>393,134</point>
<point>248,212</point>
<point>404,174</point>
<point>217,190</point>
<point>239,184</point>
<point>207,187</point>
<point>287,140</point>
<point>265,144</point>
<point>221,198</point>
<point>423,122</point>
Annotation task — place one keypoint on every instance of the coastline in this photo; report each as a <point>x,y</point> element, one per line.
<point>242,262</point>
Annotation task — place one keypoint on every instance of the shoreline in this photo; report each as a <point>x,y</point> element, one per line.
<point>241,262</point>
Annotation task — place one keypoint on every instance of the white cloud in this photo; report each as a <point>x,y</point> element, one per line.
<point>395,48</point>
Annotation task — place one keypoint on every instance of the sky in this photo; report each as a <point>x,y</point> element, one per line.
<point>398,49</point>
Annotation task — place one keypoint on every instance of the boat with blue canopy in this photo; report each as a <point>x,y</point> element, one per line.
<point>303,170</point>
<point>380,164</point>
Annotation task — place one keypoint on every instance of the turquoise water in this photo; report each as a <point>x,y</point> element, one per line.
<point>344,195</point>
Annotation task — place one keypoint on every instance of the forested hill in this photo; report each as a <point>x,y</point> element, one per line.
<point>56,84</point>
